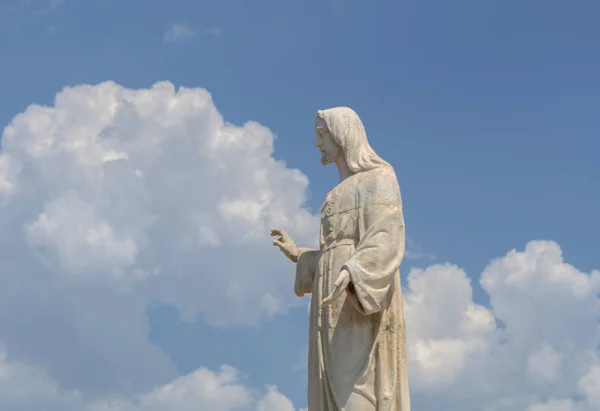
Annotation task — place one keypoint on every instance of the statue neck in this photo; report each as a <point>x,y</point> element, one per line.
<point>343,168</point>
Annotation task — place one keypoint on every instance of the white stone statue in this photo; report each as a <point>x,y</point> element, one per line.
<point>357,344</point>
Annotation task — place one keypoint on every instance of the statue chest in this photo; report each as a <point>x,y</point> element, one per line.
<point>339,214</point>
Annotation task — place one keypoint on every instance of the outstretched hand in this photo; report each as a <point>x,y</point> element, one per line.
<point>285,244</point>
<point>341,284</point>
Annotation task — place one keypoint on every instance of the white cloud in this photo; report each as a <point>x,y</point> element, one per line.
<point>83,243</point>
<point>555,405</point>
<point>275,401</point>
<point>114,198</point>
<point>544,364</point>
<point>178,32</point>
<point>534,349</point>
<point>26,387</point>
<point>200,390</point>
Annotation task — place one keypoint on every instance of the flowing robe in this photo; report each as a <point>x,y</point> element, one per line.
<point>357,345</point>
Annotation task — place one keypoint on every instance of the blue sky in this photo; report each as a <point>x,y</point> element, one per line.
<point>488,111</point>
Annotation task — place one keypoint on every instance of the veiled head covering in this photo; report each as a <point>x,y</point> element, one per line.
<point>348,132</point>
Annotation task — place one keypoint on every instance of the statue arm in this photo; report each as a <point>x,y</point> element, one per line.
<point>306,269</point>
<point>380,250</point>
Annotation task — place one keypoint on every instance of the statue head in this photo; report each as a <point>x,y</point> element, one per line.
<point>340,132</point>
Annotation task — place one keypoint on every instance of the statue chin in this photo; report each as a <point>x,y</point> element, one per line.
<point>327,159</point>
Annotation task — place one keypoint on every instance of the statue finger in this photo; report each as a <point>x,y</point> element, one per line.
<point>340,281</point>
<point>327,300</point>
<point>343,281</point>
<point>332,297</point>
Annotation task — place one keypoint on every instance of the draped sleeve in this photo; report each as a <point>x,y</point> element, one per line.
<point>381,242</point>
<point>306,268</point>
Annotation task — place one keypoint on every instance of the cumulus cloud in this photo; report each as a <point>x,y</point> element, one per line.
<point>275,401</point>
<point>27,387</point>
<point>535,348</point>
<point>201,390</point>
<point>114,198</point>
<point>178,32</point>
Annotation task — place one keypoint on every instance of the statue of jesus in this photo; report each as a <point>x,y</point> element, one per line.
<point>357,343</point>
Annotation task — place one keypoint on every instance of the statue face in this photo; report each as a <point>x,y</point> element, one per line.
<point>329,149</point>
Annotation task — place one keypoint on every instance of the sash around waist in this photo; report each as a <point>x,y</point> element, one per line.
<point>337,243</point>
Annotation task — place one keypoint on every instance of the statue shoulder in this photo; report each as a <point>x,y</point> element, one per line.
<point>379,185</point>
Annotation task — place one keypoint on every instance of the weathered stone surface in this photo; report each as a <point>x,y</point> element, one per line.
<point>357,346</point>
